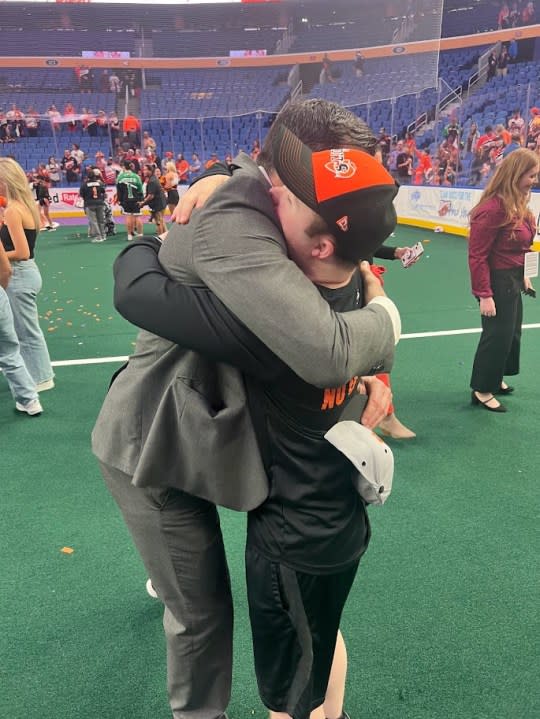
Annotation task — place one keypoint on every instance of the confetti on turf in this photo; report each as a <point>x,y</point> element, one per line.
<point>67,550</point>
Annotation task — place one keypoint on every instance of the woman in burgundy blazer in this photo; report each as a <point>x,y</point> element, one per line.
<point>501,232</point>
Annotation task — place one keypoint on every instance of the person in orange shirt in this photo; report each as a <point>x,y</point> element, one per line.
<point>182,168</point>
<point>132,128</point>
<point>212,161</point>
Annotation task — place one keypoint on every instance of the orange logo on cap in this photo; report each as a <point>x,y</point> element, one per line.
<point>339,165</point>
<point>343,223</point>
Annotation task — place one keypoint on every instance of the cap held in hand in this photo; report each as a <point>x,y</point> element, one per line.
<point>346,186</point>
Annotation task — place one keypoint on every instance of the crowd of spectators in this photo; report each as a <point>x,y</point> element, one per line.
<point>479,152</point>
<point>514,14</point>
<point>16,123</point>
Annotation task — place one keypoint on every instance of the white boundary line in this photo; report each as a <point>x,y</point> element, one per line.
<point>412,336</point>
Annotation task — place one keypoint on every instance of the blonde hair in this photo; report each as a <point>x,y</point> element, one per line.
<point>504,185</point>
<point>170,167</point>
<point>18,187</point>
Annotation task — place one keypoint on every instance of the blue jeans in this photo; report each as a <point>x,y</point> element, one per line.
<point>22,291</point>
<point>22,386</point>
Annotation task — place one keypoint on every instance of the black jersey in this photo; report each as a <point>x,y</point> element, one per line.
<point>314,520</point>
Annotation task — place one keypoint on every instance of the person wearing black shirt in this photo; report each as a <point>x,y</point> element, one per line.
<point>155,198</point>
<point>404,167</point>
<point>308,537</point>
<point>70,167</point>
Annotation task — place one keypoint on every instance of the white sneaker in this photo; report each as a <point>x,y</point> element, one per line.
<point>32,408</point>
<point>55,225</point>
<point>46,384</point>
<point>130,238</point>
<point>150,589</point>
<point>98,239</point>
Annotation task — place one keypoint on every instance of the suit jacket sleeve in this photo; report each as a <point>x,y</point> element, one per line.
<point>192,317</point>
<point>239,253</point>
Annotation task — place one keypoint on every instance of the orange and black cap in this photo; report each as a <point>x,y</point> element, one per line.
<point>347,187</point>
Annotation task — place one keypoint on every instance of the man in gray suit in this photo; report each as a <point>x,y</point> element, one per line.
<point>174,437</point>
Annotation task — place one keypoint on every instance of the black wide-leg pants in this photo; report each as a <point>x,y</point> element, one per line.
<point>499,347</point>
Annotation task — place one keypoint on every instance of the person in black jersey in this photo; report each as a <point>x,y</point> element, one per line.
<point>305,542</point>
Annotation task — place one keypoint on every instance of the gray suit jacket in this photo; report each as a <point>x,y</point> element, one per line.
<point>173,418</point>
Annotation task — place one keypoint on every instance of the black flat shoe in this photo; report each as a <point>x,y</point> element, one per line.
<point>477,401</point>
<point>504,390</point>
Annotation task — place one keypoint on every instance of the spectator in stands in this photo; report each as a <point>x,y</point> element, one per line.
<point>155,197</point>
<point>85,79</point>
<point>54,117</point>
<point>78,154</point>
<point>503,134</point>
<point>472,138</point>
<point>326,71</point>
<point>148,142</point>
<point>514,17</point>
<point>102,123</point>
<point>110,172</point>
<point>182,168</point>
<point>513,51</point>
<point>424,168</point>
<point>114,129</point>
<point>211,161</point>
<point>410,142</point>
<point>528,14</point>
<point>3,126</point>
<point>100,161</point>
<point>517,123</point>
<point>476,170</point>
<point>32,122</point>
<point>534,128</point>
<point>168,156</point>
<point>385,142</point>
<point>70,167</point>
<point>502,62</point>
<point>486,141</point>
<point>229,160</point>
<point>92,192</point>
<point>491,65</point>
<point>151,158</point>
<point>69,117</point>
<point>452,131</point>
<point>91,123</point>
<point>404,163</point>
<point>359,64</point>
<point>16,121</point>
<point>114,82</point>
<point>18,234</point>
<point>514,144</point>
<point>503,20</point>
<point>132,128</point>
<point>255,149</point>
<point>170,185</point>
<point>396,149</point>
<point>195,166</point>
<point>54,171</point>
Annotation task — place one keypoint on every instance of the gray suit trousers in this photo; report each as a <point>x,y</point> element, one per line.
<point>179,539</point>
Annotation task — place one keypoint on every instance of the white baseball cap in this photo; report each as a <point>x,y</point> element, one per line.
<point>371,456</point>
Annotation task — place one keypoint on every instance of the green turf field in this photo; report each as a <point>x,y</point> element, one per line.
<point>443,620</point>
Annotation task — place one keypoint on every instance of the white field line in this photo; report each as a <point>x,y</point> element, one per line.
<point>411,336</point>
